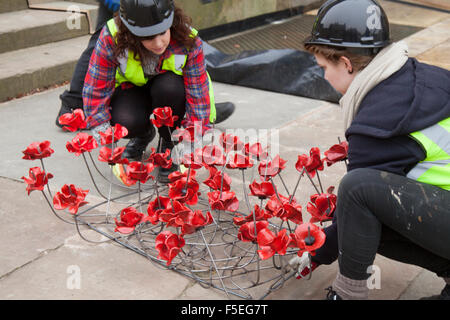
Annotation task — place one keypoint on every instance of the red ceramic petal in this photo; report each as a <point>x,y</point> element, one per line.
<point>266,252</point>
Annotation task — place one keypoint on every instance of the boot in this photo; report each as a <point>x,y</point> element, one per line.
<point>223,111</point>
<point>136,146</point>
<point>163,175</point>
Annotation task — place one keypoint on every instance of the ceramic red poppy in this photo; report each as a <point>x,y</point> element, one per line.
<point>190,160</point>
<point>70,197</point>
<point>112,156</point>
<point>223,201</point>
<point>82,142</point>
<point>218,180</point>
<point>196,220</point>
<point>322,207</point>
<point>256,150</point>
<point>107,136</point>
<point>247,230</point>
<point>37,179</point>
<point>189,134</point>
<point>270,244</point>
<point>311,163</point>
<point>210,155</point>
<point>164,117</point>
<point>239,161</point>
<point>262,190</point>
<point>268,169</point>
<point>184,191</point>
<point>281,207</point>
<point>129,219</point>
<point>38,150</point>
<point>308,237</point>
<point>230,142</point>
<point>177,175</point>
<point>73,121</point>
<point>155,208</point>
<point>258,214</point>
<point>138,171</point>
<point>175,214</point>
<point>160,159</point>
<point>336,153</point>
<point>168,245</point>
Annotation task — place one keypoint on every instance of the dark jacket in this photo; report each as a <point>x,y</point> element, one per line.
<point>415,97</point>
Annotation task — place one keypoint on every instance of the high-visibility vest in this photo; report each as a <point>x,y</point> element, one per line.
<point>435,168</point>
<point>130,69</point>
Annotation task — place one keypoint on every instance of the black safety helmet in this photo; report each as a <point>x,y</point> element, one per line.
<point>359,25</point>
<point>145,18</point>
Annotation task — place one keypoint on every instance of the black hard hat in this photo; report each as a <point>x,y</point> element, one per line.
<point>145,18</point>
<point>360,24</point>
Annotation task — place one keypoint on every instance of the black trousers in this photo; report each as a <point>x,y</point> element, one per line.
<point>399,218</point>
<point>72,98</point>
<point>133,107</point>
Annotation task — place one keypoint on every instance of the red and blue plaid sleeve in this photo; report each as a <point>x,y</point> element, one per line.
<point>99,82</point>
<point>196,85</point>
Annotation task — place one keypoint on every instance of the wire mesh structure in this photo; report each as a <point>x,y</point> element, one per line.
<point>198,229</point>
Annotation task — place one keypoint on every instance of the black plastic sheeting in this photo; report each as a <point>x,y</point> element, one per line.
<point>286,71</point>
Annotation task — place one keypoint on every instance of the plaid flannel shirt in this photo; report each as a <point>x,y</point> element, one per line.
<point>100,81</point>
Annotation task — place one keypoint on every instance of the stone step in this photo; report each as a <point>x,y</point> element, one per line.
<point>24,70</point>
<point>28,28</point>
<point>12,5</point>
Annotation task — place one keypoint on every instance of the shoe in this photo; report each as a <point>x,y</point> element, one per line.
<point>445,294</point>
<point>223,111</point>
<point>63,110</point>
<point>136,146</point>
<point>332,295</point>
<point>163,175</point>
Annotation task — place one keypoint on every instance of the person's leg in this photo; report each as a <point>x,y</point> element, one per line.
<point>131,108</point>
<point>369,199</point>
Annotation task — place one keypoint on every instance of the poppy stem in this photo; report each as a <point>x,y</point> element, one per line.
<point>48,182</point>
<point>312,182</point>
<point>320,183</point>
<point>247,201</point>
<point>296,186</point>
<point>53,210</point>
<point>282,181</point>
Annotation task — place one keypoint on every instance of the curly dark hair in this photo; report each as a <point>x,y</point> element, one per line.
<point>180,32</point>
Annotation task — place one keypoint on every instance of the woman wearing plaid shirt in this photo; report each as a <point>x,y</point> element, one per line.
<point>128,75</point>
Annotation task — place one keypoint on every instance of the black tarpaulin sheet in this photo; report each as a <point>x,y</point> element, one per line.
<point>286,71</point>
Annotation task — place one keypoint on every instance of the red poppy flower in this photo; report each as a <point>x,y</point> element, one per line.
<point>129,219</point>
<point>230,142</point>
<point>285,210</point>
<point>119,132</point>
<point>164,117</point>
<point>177,175</point>
<point>239,161</point>
<point>322,206</point>
<point>37,179</point>
<point>210,155</point>
<point>308,237</point>
<point>138,171</point>
<point>175,214</point>
<point>168,245</point>
<point>256,150</point>
<point>81,143</point>
<point>38,150</point>
<point>247,230</point>
<point>112,156</point>
<point>70,197</point>
<point>218,180</point>
<point>160,159</point>
<point>336,153</point>
<point>260,215</point>
<point>184,191</point>
<point>262,190</point>
<point>311,163</point>
<point>190,160</point>
<point>155,208</point>
<point>226,201</point>
<point>195,220</point>
<point>271,243</point>
<point>271,168</point>
<point>73,121</point>
<point>189,134</point>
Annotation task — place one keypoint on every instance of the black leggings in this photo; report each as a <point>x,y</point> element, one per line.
<point>133,107</point>
<point>399,218</point>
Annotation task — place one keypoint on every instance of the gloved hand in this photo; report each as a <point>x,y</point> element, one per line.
<point>112,5</point>
<point>101,128</point>
<point>300,263</point>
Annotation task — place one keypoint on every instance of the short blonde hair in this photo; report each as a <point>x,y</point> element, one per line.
<point>333,54</point>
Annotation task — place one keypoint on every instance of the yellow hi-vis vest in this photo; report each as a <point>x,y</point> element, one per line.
<point>435,168</point>
<point>130,69</point>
